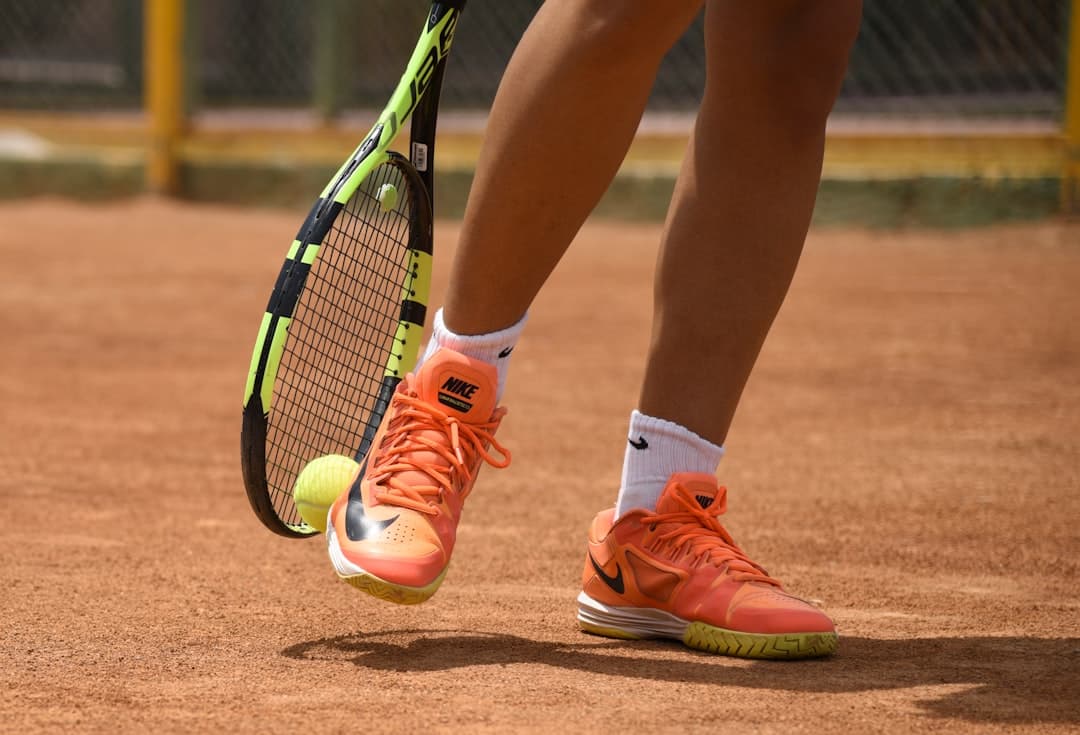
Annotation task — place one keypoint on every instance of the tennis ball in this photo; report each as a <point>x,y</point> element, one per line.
<point>388,197</point>
<point>319,484</point>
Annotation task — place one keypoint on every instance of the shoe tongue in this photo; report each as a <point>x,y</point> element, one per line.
<point>459,385</point>
<point>702,488</point>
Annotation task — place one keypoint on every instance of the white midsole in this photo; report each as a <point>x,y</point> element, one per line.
<point>342,566</point>
<point>645,622</point>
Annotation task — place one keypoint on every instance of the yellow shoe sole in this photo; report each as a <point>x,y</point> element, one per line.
<point>640,623</point>
<point>396,593</point>
<point>704,637</point>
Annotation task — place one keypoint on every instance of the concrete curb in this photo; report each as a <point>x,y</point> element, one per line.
<point>638,193</point>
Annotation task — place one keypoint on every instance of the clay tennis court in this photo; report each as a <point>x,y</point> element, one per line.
<point>908,453</point>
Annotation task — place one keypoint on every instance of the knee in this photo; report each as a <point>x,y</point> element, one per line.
<point>814,44</point>
<point>642,29</point>
<point>798,50</point>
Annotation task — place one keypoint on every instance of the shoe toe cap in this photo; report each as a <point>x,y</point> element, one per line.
<point>774,611</point>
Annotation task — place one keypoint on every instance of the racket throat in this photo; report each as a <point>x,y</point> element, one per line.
<point>382,403</point>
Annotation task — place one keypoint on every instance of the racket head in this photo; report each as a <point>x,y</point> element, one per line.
<point>343,326</point>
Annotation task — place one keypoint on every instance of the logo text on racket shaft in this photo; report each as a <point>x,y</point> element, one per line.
<point>422,79</point>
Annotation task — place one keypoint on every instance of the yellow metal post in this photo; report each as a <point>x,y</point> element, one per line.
<point>1070,184</point>
<point>164,97</point>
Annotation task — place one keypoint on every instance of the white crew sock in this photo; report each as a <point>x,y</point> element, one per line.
<point>656,450</point>
<point>493,347</point>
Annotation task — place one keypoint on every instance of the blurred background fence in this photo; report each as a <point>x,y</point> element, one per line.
<point>957,58</point>
<point>973,65</point>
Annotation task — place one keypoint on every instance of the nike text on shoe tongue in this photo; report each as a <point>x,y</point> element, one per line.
<point>702,488</point>
<point>463,388</point>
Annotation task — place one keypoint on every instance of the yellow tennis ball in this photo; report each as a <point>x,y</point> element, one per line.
<point>388,196</point>
<point>319,484</point>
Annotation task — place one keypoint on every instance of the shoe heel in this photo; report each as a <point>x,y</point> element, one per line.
<point>627,623</point>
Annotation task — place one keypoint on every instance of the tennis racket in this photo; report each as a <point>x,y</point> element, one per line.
<point>346,315</point>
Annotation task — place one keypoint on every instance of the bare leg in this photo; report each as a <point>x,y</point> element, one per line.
<point>743,201</point>
<point>566,112</point>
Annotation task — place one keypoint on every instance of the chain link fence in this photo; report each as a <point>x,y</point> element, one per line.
<point>70,54</point>
<point>919,58</point>
<point>945,58</point>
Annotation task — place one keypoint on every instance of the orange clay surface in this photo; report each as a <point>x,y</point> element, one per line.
<point>907,453</point>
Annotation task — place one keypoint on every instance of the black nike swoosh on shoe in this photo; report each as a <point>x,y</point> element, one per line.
<point>506,352</point>
<point>616,582</point>
<point>639,444</point>
<point>358,527</point>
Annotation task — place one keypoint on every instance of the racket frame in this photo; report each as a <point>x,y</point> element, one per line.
<point>415,100</point>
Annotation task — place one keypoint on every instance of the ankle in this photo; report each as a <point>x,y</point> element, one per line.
<point>493,348</point>
<point>656,450</point>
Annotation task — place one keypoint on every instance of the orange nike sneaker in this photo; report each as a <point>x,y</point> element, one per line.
<point>676,573</point>
<point>392,531</point>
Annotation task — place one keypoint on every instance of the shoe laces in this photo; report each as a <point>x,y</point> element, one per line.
<point>697,531</point>
<point>423,438</point>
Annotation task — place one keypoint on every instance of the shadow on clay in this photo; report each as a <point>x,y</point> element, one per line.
<point>1006,679</point>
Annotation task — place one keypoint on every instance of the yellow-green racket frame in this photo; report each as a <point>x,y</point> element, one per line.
<point>416,98</point>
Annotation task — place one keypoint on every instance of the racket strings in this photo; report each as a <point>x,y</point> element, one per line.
<point>342,331</point>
